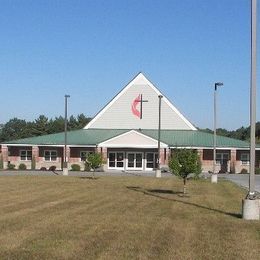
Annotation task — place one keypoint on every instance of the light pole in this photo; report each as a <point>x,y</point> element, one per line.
<point>158,170</point>
<point>251,204</point>
<point>214,176</point>
<point>65,164</point>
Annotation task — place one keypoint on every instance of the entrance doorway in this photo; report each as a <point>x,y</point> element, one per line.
<point>222,160</point>
<point>134,161</point>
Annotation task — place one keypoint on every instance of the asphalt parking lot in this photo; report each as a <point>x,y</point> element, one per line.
<point>242,180</point>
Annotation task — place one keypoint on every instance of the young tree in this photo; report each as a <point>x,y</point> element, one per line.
<point>95,161</point>
<point>183,163</point>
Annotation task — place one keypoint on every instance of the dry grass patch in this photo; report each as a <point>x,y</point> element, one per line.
<point>60,217</point>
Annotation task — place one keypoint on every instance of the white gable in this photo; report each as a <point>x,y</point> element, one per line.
<point>132,139</point>
<point>125,112</point>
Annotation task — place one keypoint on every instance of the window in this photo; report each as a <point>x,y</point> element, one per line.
<point>151,160</point>
<point>84,155</point>
<point>50,155</point>
<point>244,157</point>
<point>222,158</point>
<point>25,155</point>
<point>116,160</point>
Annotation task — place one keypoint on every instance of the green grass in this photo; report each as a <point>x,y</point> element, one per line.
<point>60,217</point>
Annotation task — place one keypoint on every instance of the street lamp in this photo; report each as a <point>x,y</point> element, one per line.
<point>251,204</point>
<point>214,176</point>
<point>65,164</point>
<point>158,170</point>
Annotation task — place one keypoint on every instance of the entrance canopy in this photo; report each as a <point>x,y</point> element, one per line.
<point>132,139</point>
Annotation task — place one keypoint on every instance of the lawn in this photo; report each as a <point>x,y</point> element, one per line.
<point>58,217</point>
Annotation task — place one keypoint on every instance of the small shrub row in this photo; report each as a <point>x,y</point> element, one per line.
<point>22,166</point>
<point>257,170</point>
<point>10,166</point>
<point>75,167</point>
<point>51,168</point>
<point>244,171</point>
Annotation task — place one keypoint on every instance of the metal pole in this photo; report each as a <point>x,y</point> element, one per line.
<point>158,171</point>
<point>215,129</point>
<point>253,99</point>
<point>65,166</point>
<point>214,176</point>
<point>251,204</point>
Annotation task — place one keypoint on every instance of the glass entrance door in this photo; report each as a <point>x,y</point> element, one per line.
<point>134,161</point>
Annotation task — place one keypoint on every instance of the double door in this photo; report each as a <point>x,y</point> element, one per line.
<point>134,161</point>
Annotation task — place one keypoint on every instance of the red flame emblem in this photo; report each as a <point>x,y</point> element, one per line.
<point>135,103</point>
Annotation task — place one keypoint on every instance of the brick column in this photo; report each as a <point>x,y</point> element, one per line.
<point>200,153</point>
<point>35,156</point>
<point>162,161</point>
<point>167,152</point>
<point>97,149</point>
<point>233,155</point>
<point>104,153</point>
<point>5,156</point>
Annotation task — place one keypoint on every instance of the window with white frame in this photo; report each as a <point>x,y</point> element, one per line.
<point>221,158</point>
<point>244,157</point>
<point>25,155</point>
<point>116,160</point>
<point>83,155</point>
<point>50,155</point>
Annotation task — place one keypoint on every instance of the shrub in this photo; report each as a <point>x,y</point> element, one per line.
<point>257,170</point>
<point>11,166</point>
<point>22,166</point>
<point>75,167</point>
<point>243,171</point>
<point>52,168</point>
<point>43,169</point>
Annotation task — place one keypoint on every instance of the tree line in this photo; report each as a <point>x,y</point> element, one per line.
<point>19,128</point>
<point>242,133</point>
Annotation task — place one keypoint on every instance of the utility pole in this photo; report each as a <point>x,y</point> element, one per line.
<point>251,204</point>
<point>158,170</point>
<point>65,164</point>
<point>214,176</point>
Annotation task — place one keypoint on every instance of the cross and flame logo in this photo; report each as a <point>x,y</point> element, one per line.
<point>135,103</point>
<point>138,100</point>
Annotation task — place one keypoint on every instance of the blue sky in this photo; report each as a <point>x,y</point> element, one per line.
<point>92,49</point>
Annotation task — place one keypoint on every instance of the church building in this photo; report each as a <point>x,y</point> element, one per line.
<point>125,132</point>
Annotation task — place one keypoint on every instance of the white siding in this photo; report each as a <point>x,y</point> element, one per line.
<point>118,114</point>
<point>132,139</point>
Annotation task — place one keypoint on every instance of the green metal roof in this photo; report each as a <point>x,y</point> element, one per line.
<point>189,138</point>
<point>174,138</point>
<point>78,137</point>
